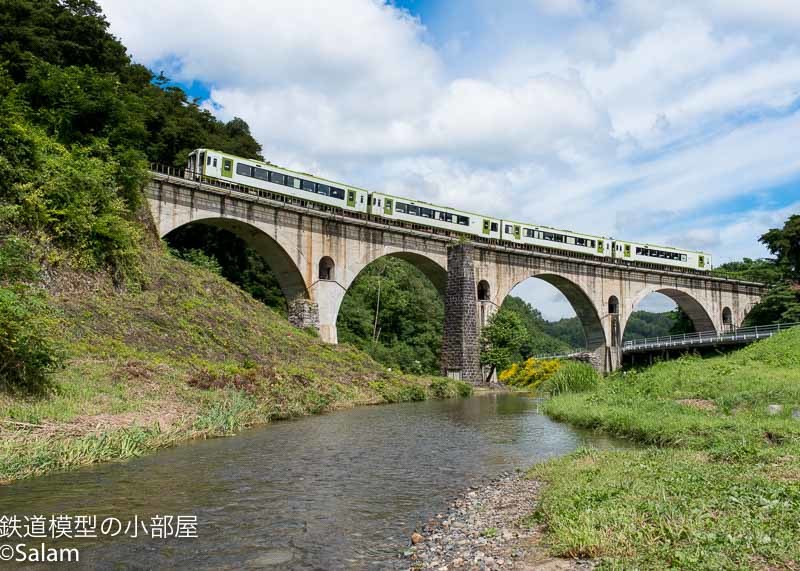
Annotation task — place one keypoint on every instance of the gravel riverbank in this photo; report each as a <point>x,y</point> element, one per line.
<point>486,528</point>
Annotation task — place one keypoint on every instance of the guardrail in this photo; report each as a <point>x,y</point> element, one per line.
<point>742,335</point>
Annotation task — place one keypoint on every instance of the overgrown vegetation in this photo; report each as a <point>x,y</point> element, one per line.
<point>718,489</point>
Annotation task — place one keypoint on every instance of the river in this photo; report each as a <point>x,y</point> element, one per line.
<point>340,490</point>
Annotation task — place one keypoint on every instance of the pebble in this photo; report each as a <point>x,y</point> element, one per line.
<point>481,530</point>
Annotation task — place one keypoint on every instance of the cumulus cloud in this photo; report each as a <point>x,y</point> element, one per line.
<point>633,119</point>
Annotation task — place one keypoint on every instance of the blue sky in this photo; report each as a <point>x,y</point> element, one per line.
<point>664,121</point>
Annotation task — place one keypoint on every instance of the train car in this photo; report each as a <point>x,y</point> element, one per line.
<point>423,213</point>
<point>661,255</point>
<point>556,239</point>
<point>266,176</point>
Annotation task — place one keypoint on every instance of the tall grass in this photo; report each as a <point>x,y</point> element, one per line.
<point>715,483</point>
<point>571,377</point>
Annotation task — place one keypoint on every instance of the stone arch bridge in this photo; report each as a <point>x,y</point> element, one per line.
<point>316,254</point>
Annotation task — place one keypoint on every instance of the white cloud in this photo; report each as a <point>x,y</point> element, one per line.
<point>636,119</point>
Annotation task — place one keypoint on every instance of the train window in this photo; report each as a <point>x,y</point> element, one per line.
<point>276,177</point>
<point>413,210</point>
<point>508,229</point>
<point>337,193</point>
<point>208,162</point>
<point>323,189</point>
<point>362,199</point>
<point>447,217</point>
<point>570,240</point>
<point>426,212</point>
<point>495,227</point>
<point>592,243</point>
<point>308,185</point>
<point>215,162</point>
<point>683,258</point>
<point>261,174</point>
<point>401,207</point>
<point>528,233</point>
<point>244,170</point>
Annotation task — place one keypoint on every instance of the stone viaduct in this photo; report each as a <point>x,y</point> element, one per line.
<point>316,254</point>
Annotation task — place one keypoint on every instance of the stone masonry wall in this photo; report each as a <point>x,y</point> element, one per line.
<point>460,351</point>
<point>304,313</point>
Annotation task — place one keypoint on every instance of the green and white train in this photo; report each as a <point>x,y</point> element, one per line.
<point>268,178</point>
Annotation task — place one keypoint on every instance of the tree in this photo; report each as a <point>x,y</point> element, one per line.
<point>501,339</point>
<point>537,341</point>
<point>784,244</point>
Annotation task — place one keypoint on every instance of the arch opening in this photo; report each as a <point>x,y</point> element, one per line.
<point>613,305</point>
<point>558,315</point>
<point>659,312</point>
<point>394,310</point>
<point>326,269</point>
<point>244,255</point>
<point>484,291</point>
<point>727,319</point>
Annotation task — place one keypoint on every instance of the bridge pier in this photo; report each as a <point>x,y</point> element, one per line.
<point>460,349</point>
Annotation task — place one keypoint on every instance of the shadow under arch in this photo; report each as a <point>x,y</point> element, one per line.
<point>581,304</point>
<point>286,271</point>
<point>697,313</point>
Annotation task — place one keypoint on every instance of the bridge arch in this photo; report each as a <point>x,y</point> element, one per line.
<point>581,303</point>
<point>286,271</point>
<point>331,298</point>
<point>698,314</point>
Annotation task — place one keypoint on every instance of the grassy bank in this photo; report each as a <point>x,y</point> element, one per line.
<point>716,483</point>
<point>188,356</point>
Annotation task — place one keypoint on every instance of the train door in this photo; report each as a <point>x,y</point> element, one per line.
<point>351,198</point>
<point>701,261</point>
<point>517,232</point>
<point>227,167</point>
<point>600,246</point>
<point>486,227</point>
<point>202,163</point>
<point>627,252</point>
<point>387,206</point>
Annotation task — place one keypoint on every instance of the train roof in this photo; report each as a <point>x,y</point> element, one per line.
<point>273,165</point>
<point>440,206</point>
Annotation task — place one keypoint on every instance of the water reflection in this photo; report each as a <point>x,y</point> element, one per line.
<point>342,490</point>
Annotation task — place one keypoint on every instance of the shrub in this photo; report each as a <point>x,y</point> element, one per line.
<point>531,374</point>
<point>571,377</point>
<point>27,354</point>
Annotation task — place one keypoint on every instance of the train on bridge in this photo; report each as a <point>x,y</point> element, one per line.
<point>265,177</point>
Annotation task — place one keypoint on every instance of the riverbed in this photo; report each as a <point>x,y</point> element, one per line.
<point>342,490</point>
